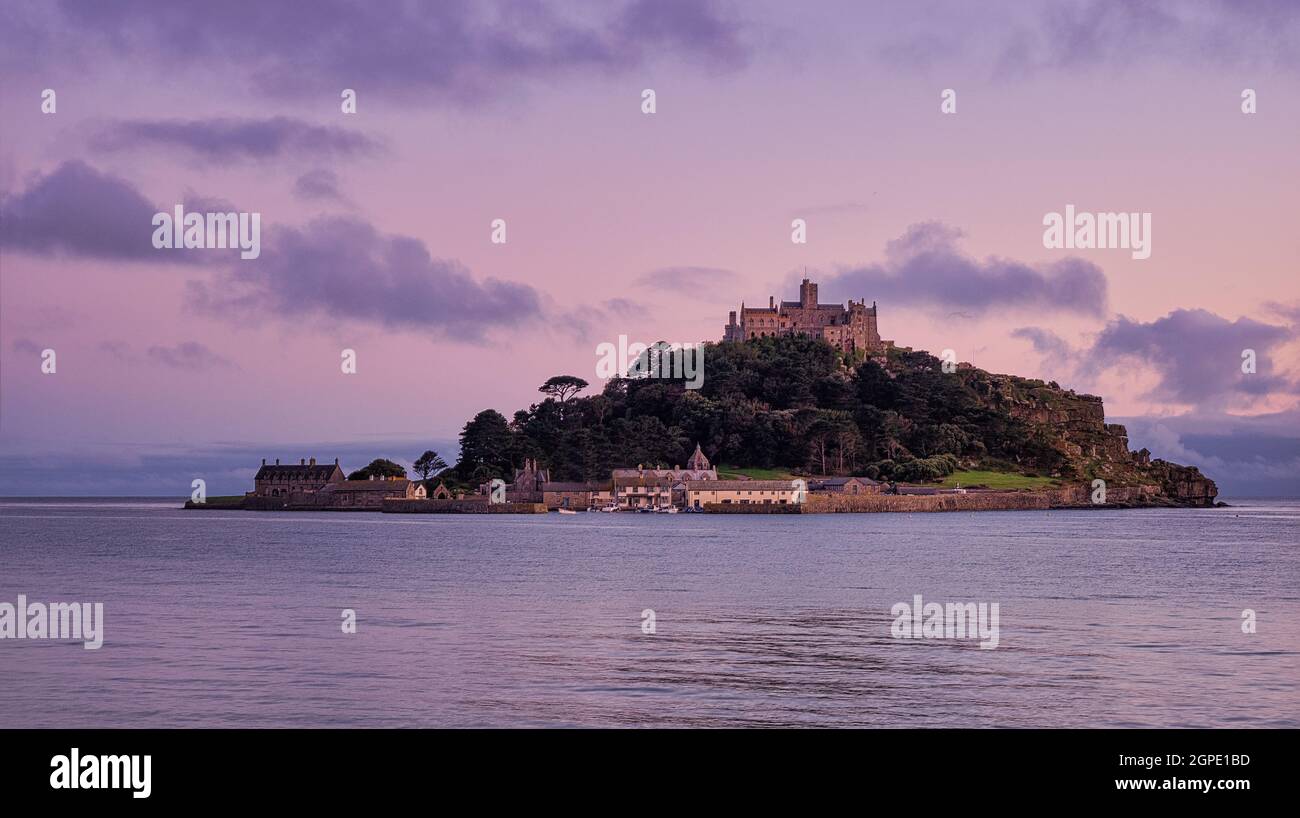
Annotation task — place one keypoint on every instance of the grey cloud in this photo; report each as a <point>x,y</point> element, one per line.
<point>232,139</point>
<point>1197,355</point>
<point>316,185</point>
<point>925,267</point>
<point>343,268</point>
<point>1045,342</point>
<point>77,210</point>
<point>1248,456</point>
<point>463,52</point>
<point>188,355</point>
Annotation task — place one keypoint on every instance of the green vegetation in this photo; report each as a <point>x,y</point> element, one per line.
<point>429,463</point>
<point>379,467</point>
<point>772,406</point>
<point>226,500</point>
<point>996,480</point>
<point>737,472</point>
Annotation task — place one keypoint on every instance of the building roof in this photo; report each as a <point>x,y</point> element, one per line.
<point>841,481</point>
<point>648,479</point>
<point>697,460</point>
<point>561,486</point>
<point>320,471</point>
<point>370,485</point>
<point>623,475</point>
<point>798,305</point>
<point>740,485</point>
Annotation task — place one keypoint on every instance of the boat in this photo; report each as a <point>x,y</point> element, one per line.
<point>666,510</point>
<point>609,509</point>
<point>566,511</point>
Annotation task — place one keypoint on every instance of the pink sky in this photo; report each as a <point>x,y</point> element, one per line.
<point>831,114</point>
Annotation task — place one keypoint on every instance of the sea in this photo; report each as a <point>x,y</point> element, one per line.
<point>1106,618</point>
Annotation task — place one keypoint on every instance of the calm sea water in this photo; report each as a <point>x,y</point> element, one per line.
<point>232,619</point>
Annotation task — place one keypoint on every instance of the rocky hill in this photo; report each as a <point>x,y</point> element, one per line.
<point>797,404</point>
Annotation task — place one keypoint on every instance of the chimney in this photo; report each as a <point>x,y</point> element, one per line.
<point>277,461</point>
<point>263,461</point>
<point>302,461</point>
<point>313,461</point>
<point>336,461</point>
<point>771,302</point>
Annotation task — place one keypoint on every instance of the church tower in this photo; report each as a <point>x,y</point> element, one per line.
<point>698,461</point>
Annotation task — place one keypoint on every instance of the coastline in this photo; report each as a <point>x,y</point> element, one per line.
<point>1070,497</point>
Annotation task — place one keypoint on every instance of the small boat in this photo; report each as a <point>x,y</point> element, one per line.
<point>666,510</point>
<point>566,511</point>
<point>609,509</point>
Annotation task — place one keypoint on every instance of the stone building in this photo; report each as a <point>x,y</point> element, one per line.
<point>850,328</point>
<point>527,486</point>
<point>367,494</point>
<point>845,485</point>
<point>641,487</point>
<point>744,492</point>
<point>577,496</point>
<point>304,478</point>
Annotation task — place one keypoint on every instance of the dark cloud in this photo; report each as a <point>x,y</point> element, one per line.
<point>1121,33</point>
<point>343,268</point>
<point>188,355</point>
<point>924,267</point>
<point>316,185</point>
<point>1248,456</point>
<point>77,210</point>
<point>1046,342</point>
<point>461,51</point>
<point>1197,355</point>
<point>624,308</point>
<point>231,139</point>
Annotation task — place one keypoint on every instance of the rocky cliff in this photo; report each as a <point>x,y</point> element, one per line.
<point>1089,448</point>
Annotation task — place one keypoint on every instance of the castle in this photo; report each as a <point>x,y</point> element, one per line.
<point>848,329</point>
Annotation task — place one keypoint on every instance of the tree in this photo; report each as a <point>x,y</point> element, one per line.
<point>485,447</point>
<point>379,467</point>
<point>429,463</point>
<point>563,387</point>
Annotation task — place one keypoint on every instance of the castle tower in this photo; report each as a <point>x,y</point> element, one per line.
<point>808,295</point>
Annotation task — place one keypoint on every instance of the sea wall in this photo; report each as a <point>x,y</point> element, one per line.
<point>752,508</point>
<point>460,507</point>
<point>981,501</point>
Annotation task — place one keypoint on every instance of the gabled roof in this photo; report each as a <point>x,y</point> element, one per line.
<point>740,485</point>
<point>319,472</point>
